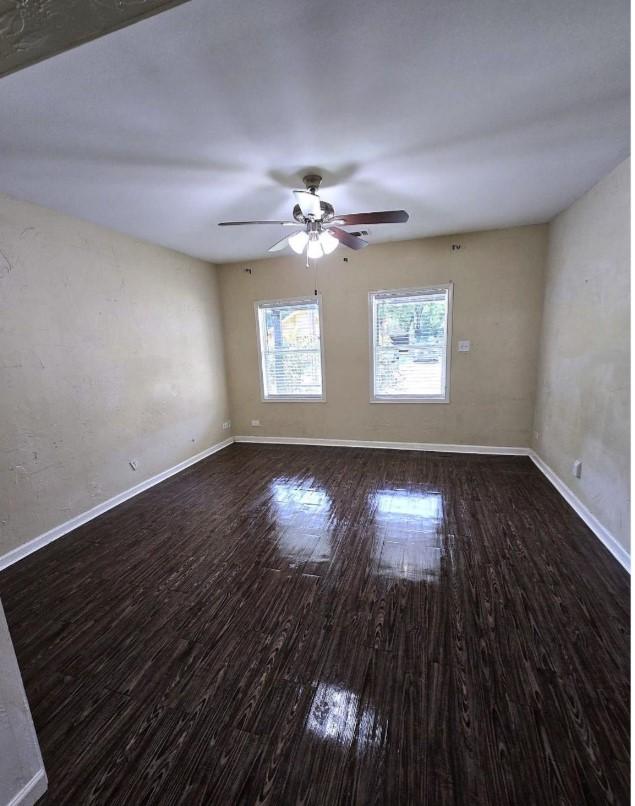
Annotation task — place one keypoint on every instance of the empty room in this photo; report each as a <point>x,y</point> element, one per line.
<point>315,403</point>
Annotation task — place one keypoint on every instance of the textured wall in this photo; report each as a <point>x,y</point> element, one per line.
<point>110,350</point>
<point>498,283</point>
<point>582,409</point>
<point>20,757</point>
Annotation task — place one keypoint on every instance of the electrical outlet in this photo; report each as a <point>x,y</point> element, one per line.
<point>464,346</point>
<point>255,423</point>
<point>577,469</point>
<point>227,424</point>
<point>133,464</point>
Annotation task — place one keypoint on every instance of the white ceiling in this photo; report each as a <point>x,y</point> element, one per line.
<point>470,115</point>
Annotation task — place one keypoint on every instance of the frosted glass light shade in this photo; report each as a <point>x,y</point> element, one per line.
<point>298,241</point>
<point>328,242</point>
<point>314,249</point>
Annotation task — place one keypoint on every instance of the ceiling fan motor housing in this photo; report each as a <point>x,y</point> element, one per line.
<point>328,212</point>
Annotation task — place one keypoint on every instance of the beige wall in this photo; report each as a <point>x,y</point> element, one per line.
<point>21,764</point>
<point>110,350</point>
<point>582,407</point>
<point>498,281</point>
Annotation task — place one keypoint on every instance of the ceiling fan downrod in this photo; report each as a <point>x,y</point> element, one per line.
<point>312,182</point>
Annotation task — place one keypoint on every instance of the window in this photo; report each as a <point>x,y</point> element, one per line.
<point>410,332</point>
<point>290,345</point>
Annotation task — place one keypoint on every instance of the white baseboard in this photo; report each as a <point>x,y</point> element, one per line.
<point>396,446</point>
<point>64,528</point>
<point>30,792</point>
<point>611,543</point>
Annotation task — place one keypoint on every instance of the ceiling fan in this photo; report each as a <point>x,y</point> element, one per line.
<point>318,229</point>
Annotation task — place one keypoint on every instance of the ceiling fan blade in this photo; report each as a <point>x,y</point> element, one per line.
<point>383,217</point>
<point>309,203</point>
<point>348,239</point>
<point>242,223</point>
<point>278,245</point>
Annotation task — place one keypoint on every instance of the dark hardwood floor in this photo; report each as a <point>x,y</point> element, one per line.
<point>303,625</point>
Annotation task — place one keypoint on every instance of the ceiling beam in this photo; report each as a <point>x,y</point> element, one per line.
<point>38,29</point>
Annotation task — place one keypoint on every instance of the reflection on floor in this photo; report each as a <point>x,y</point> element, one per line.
<point>410,523</point>
<point>336,715</point>
<point>286,624</point>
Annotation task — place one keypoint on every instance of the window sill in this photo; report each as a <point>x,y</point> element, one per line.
<point>410,400</point>
<point>293,400</point>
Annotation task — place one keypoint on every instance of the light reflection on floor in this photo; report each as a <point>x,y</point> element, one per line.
<point>410,524</point>
<point>424,507</point>
<point>303,518</point>
<point>287,494</point>
<point>404,532</point>
<point>335,715</point>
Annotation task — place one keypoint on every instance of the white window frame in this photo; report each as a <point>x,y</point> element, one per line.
<point>272,303</point>
<point>407,292</point>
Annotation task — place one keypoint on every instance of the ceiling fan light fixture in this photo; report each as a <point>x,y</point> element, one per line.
<point>314,249</point>
<point>328,242</point>
<point>298,241</point>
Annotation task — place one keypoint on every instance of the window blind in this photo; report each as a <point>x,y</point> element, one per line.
<point>410,344</point>
<point>290,349</point>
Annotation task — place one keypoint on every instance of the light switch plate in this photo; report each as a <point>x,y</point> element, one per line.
<point>464,346</point>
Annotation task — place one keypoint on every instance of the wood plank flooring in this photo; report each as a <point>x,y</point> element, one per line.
<point>311,625</point>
